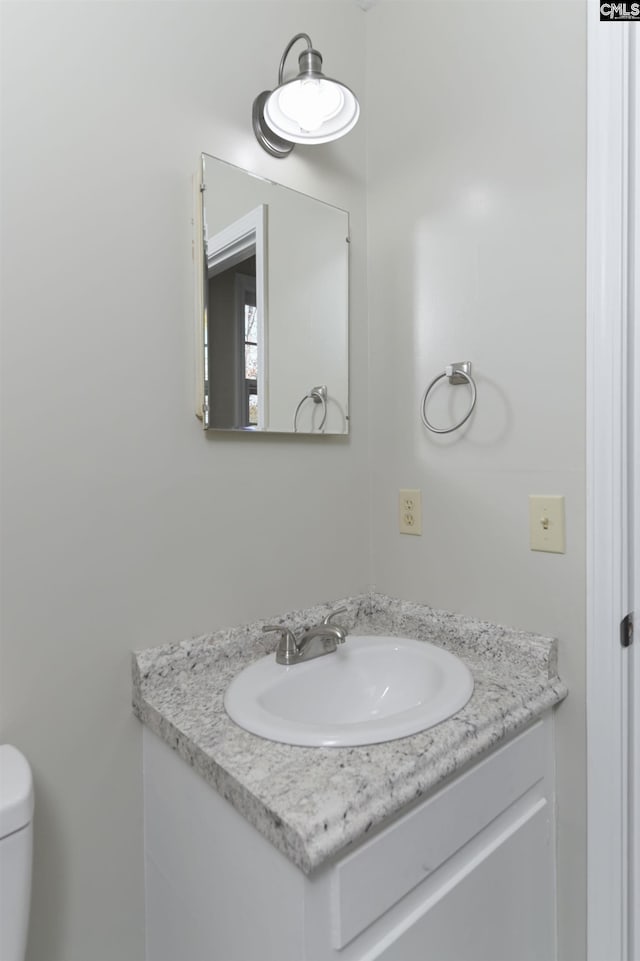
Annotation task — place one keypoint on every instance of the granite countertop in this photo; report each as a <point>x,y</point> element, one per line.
<point>313,803</point>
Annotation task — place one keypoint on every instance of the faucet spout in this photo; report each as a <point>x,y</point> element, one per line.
<point>319,640</point>
<point>329,631</point>
<point>315,642</point>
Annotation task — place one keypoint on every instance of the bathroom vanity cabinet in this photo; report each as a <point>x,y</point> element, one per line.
<point>464,873</point>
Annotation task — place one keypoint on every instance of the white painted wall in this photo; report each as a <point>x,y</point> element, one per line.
<point>476,209</point>
<point>123,525</point>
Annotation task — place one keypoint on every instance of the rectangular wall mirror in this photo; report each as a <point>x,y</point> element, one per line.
<point>273,325</point>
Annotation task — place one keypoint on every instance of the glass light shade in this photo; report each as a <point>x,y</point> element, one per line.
<point>311,110</point>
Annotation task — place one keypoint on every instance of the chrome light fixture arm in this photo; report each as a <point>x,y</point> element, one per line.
<point>287,51</point>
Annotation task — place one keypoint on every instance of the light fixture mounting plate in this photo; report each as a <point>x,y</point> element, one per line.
<point>268,140</point>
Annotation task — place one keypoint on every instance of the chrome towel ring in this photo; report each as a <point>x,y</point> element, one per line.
<point>319,396</point>
<point>458,374</point>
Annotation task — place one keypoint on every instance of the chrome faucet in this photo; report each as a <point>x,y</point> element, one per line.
<point>315,642</point>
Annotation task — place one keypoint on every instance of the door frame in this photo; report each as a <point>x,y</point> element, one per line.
<point>611,87</point>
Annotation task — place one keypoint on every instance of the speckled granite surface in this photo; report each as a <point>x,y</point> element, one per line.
<point>313,803</point>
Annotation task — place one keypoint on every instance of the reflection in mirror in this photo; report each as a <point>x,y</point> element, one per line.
<point>236,305</point>
<point>274,327</point>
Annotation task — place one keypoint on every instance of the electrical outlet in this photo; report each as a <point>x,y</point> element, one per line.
<point>410,512</point>
<point>546,523</point>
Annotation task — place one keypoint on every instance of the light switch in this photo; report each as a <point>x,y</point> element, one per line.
<point>546,523</point>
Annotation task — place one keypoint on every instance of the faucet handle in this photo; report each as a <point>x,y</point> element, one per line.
<point>339,610</point>
<point>287,646</point>
<point>341,634</point>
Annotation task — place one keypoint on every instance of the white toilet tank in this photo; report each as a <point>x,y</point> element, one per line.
<point>16,845</point>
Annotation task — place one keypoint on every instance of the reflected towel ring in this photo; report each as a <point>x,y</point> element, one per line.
<point>319,396</point>
<point>457,374</point>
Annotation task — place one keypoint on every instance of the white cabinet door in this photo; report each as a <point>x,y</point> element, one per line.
<point>499,908</point>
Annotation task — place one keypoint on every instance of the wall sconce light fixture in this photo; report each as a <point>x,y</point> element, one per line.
<point>311,108</point>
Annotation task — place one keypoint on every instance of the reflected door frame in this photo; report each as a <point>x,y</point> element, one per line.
<point>223,250</point>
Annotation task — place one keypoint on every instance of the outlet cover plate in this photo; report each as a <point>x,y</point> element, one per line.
<point>410,512</point>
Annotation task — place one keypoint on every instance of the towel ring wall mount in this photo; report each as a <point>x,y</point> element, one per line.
<point>319,396</point>
<point>459,373</point>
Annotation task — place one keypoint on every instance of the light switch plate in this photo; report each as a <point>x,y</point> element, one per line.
<point>546,523</point>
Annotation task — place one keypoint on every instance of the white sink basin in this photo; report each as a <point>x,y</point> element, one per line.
<point>371,689</point>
